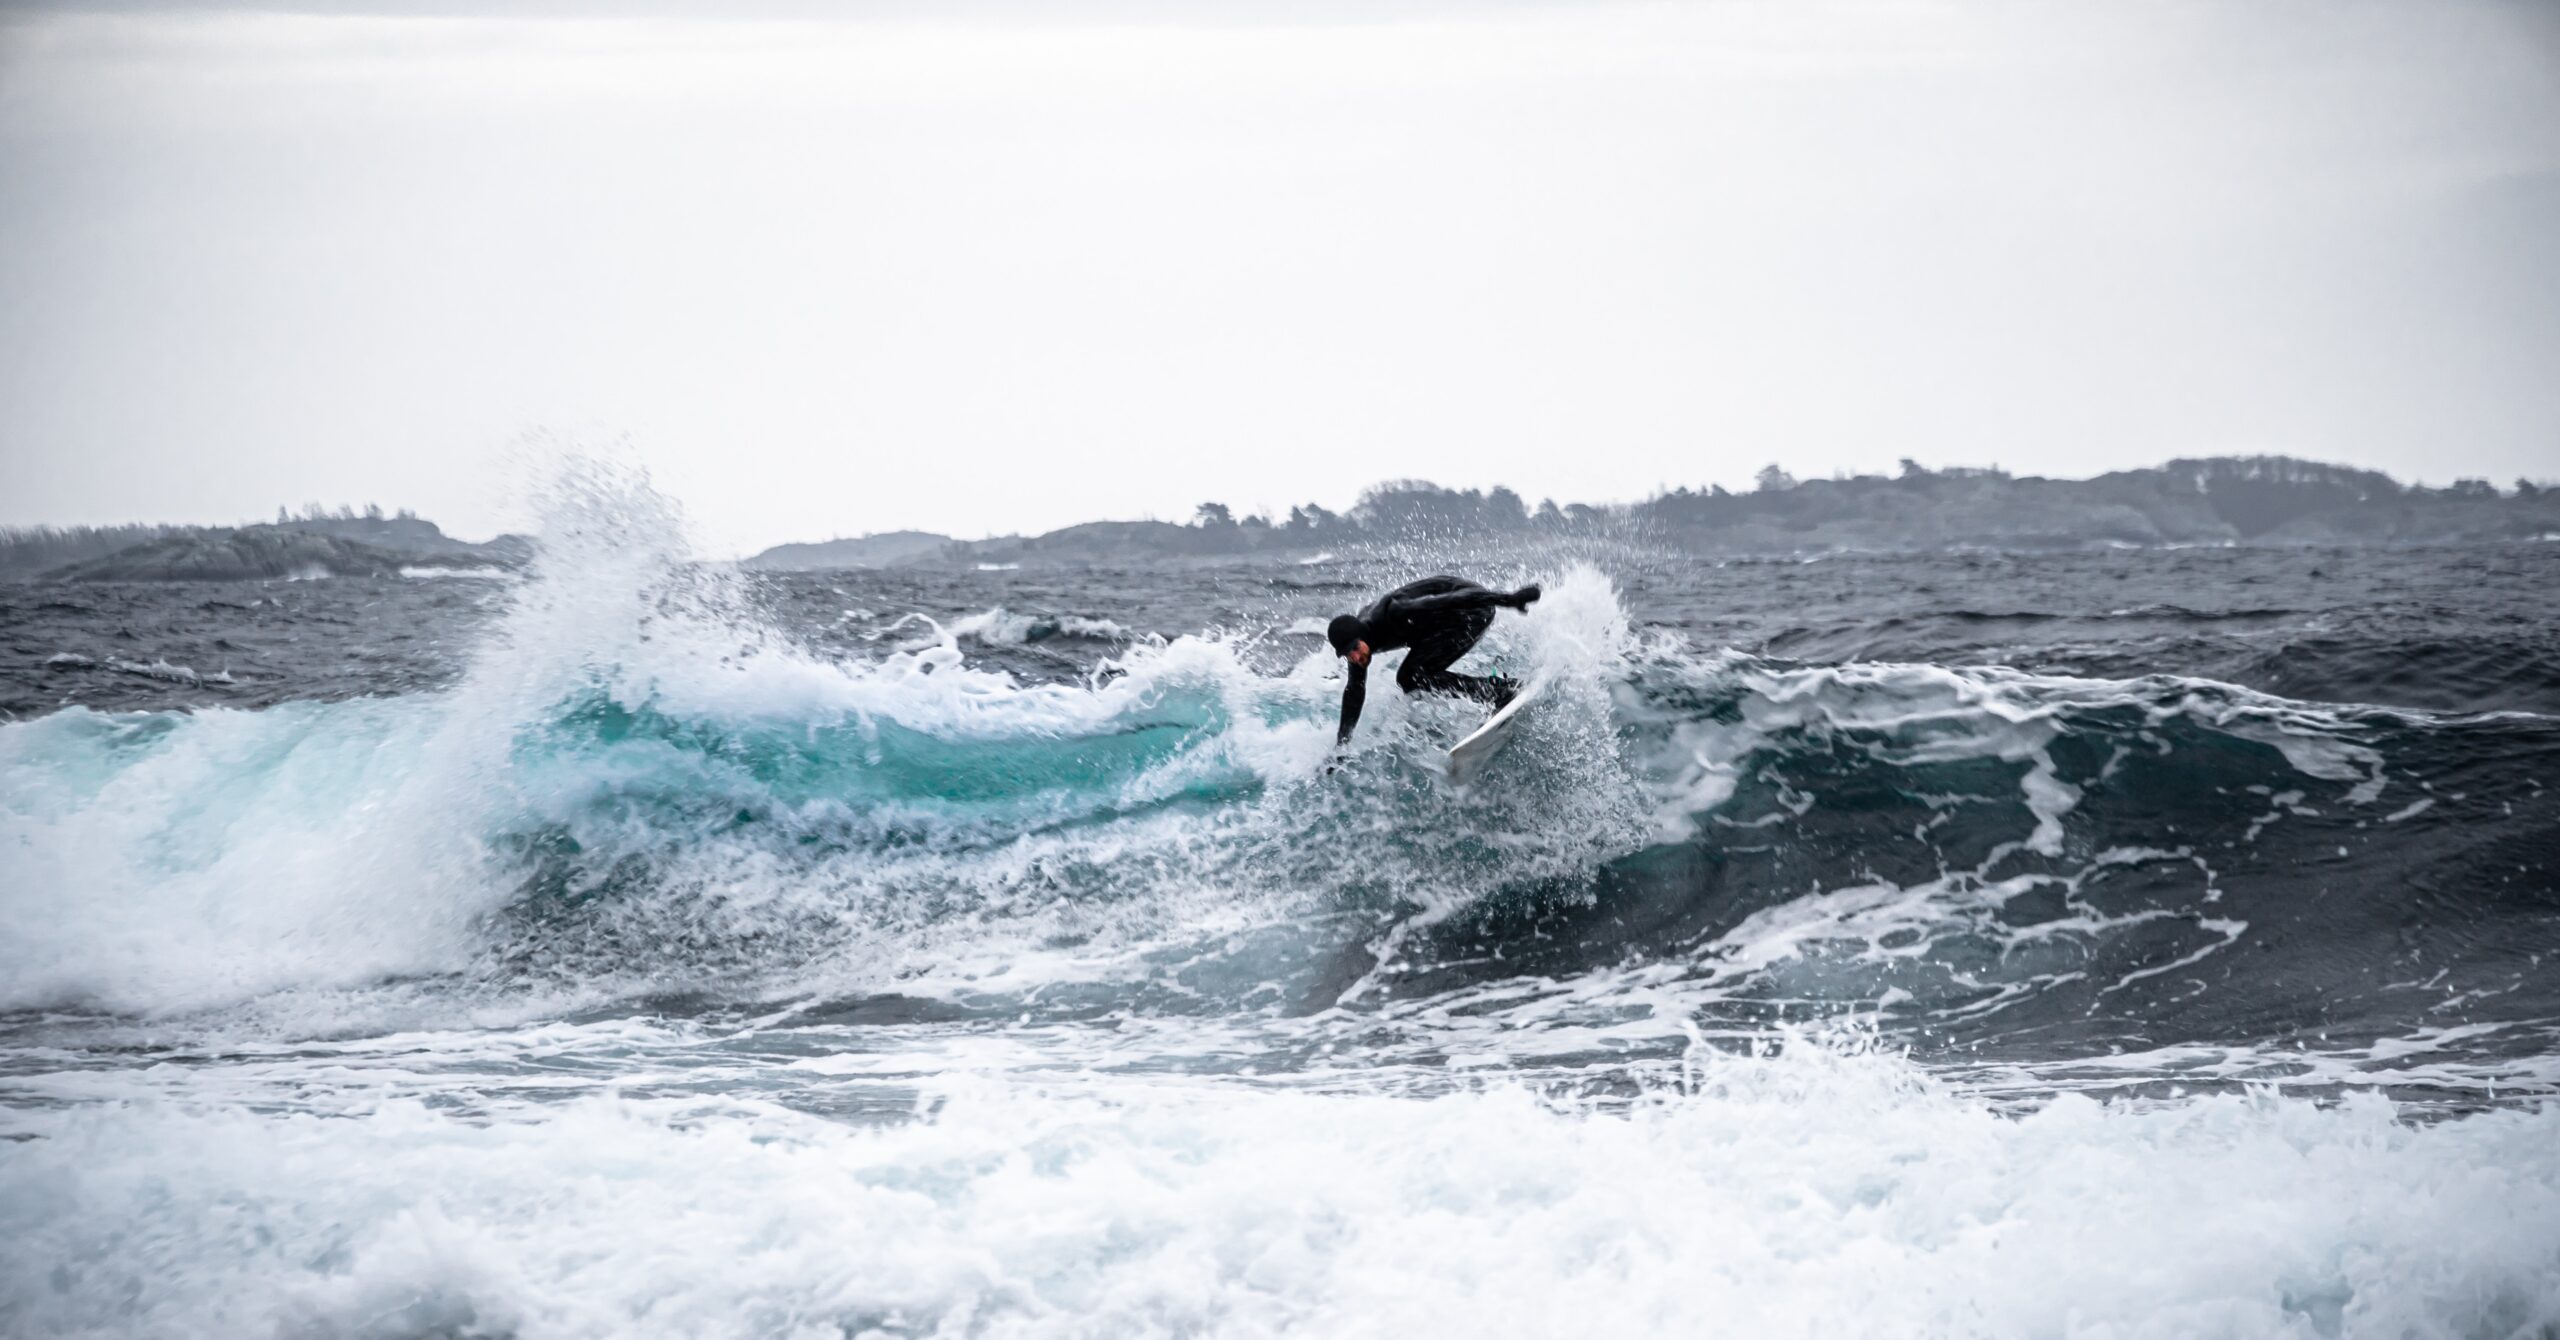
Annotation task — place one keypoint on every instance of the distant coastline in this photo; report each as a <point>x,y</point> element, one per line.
<point>2252,500</point>
<point>318,543</point>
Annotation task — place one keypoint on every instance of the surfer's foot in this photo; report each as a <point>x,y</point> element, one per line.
<point>1504,690</point>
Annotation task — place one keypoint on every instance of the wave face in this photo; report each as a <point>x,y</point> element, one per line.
<point>759,905</point>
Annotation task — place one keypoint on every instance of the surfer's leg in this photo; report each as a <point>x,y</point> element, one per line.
<point>1479,687</point>
<point>1426,667</point>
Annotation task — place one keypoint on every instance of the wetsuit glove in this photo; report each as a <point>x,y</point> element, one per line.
<point>1525,596</point>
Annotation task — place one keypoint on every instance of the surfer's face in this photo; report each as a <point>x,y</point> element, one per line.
<point>1359,653</point>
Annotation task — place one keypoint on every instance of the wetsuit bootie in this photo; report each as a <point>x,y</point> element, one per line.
<point>1505,688</point>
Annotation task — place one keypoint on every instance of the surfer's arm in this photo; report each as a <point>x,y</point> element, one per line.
<point>1355,691</point>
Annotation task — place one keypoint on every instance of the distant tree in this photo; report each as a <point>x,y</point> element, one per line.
<point>1912,469</point>
<point>30,550</point>
<point>1503,508</point>
<point>373,511</point>
<point>407,514</point>
<point>1214,516</point>
<point>2473,489</point>
<point>1257,521</point>
<point>1311,518</point>
<point>1774,480</point>
<point>2255,494</point>
<point>1547,513</point>
<point>2526,488</point>
<point>283,515</point>
<point>1411,505</point>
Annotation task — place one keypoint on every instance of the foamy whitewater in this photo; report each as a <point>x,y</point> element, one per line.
<point>2106,945</point>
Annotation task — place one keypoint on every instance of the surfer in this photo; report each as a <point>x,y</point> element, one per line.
<point>1440,618</point>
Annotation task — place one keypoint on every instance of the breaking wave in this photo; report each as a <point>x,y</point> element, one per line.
<point>663,976</point>
<point>638,791</point>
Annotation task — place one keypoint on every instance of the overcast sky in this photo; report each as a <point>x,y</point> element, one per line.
<point>990,267</point>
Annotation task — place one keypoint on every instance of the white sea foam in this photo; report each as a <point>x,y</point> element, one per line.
<point>158,863</point>
<point>168,673</point>
<point>999,627</point>
<point>2314,753</point>
<point>1915,714</point>
<point>1903,714</point>
<point>1801,1194</point>
<point>429,573</point>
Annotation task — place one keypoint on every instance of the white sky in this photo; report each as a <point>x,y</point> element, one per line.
<point>1000,271</point>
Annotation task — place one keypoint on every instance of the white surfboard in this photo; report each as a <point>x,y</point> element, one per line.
<point>1468,756</point>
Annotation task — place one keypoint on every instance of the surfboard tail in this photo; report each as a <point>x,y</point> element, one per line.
<point>1467,758</point>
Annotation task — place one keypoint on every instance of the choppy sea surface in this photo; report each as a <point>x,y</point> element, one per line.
<point>2125,944</point>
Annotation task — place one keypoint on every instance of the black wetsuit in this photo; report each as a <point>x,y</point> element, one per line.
<point>1440,618</point>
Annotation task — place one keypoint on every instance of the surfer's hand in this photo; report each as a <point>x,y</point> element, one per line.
<point>1526,596</point>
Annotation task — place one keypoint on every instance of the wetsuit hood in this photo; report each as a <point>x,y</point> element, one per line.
<point>1344,631</point>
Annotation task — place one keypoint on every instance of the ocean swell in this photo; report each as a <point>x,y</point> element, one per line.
<point>639,791</point>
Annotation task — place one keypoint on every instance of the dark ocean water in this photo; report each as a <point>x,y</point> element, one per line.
<point>2120,943</point>
<point>2439,629</point>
